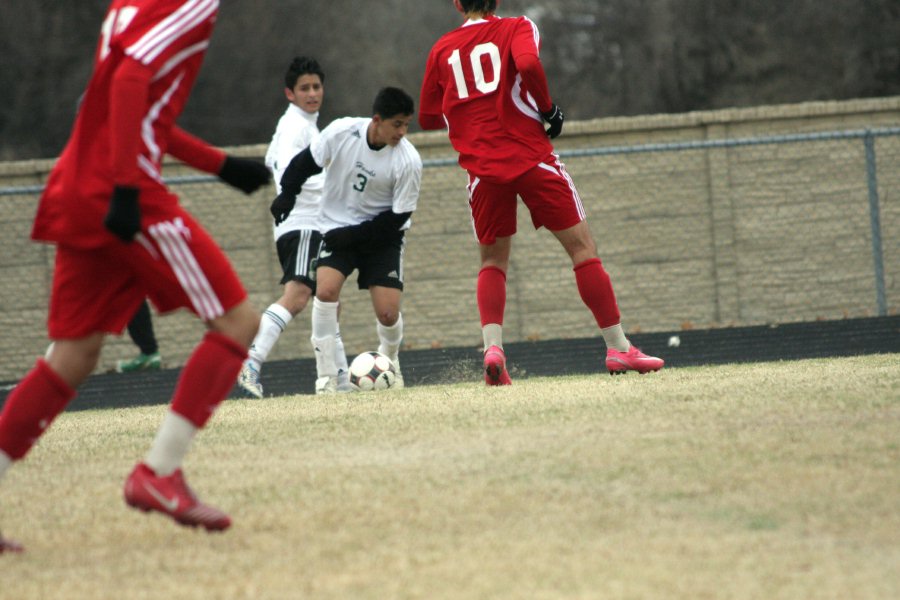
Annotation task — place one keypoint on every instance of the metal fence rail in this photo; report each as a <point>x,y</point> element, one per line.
<point>695,234</point>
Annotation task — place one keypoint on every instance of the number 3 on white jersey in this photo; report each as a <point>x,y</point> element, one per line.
<point>116,22</point>
<point>485,87</point>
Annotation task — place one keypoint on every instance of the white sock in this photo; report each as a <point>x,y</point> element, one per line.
<point>389,338</point>
<point>271,325</point>
<point>5,463</point>
<point>615,338</point>
<point>340,355</point>
<point>492,334</point>
<point>173,440</point>
<point>324,337</point>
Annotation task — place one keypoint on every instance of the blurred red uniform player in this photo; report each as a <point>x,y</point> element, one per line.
<point>484,82</point>
<point>120,235</point>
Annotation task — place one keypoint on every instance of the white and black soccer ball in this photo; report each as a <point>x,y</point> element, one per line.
<point>372,371</point>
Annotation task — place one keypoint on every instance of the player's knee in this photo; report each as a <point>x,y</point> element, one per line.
<point>388,317</point>
<point>240,324</point>
<point>295,298</point>
<point>327,294</point>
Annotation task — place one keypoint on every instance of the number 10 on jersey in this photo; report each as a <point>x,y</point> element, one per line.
<point>484,86</point>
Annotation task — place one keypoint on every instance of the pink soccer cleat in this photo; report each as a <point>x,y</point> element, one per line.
<point>634,360</point>
<point>495,372</point>
<point>171,495</point>
<point>7,545</point>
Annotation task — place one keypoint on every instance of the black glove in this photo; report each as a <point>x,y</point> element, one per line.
<point>282,206</point>
<point>244,174</point>
<point>344,237</point>
<point>555,118</point>
<point>124,215</point>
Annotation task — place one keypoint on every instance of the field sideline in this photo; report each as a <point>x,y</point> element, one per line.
<point>768,480</point>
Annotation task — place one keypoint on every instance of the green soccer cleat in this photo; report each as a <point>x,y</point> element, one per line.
<point>143,362</point>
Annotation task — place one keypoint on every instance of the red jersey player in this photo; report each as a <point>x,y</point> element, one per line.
<point>484,81</point>
<point>121,235</point>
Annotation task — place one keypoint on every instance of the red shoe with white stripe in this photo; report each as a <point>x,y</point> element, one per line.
<point>171,496</point>
<point>633,360</point>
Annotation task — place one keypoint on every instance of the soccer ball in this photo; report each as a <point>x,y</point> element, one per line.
<point>372,371</point>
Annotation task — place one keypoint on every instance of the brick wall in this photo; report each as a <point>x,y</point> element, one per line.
<point>692,239</point>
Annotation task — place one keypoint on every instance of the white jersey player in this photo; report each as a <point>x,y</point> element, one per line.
<point>372,181</point>
<point>297,238</point>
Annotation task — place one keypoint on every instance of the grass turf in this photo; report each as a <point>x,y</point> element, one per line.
<point>775,480</point>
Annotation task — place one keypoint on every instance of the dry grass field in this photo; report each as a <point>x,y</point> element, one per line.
<point>769,481</point>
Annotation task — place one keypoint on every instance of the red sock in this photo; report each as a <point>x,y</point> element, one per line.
<point>597,292</point>
<point>30,409</point>
<point>491,292</point>
<point>207,377</point>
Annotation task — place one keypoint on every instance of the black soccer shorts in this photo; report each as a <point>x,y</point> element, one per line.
<point>378,266</point>
<point>297,252</point>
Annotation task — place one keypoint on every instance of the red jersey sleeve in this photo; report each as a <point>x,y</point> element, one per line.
<point>165,31</point>
<point>127,107</point>
<point>431,115</point>
<point>195,152</point>
<point>525,50</point>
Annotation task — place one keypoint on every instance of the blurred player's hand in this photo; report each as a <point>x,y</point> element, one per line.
<point>282,206</point>
<point>124,215</point>
<point>244,174</point>
<point>555,118</point>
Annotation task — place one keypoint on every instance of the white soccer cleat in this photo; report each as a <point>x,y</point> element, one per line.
<point>327,385</point>
<point>398,376</point>
<point>343,382</point>
<point>248,380</point>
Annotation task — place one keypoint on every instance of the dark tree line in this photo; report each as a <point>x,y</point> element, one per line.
<point>603,57</point>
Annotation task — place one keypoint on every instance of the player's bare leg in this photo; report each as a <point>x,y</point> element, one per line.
<point>158,484</point>
<point>491,294</point>
<point>596,291</point>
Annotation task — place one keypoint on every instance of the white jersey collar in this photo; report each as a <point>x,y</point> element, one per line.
<point>311,117</point>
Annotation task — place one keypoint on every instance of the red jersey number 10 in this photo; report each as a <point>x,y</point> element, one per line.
<point>484,86</point>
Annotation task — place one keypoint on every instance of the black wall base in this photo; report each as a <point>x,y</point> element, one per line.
<point>792,341</point>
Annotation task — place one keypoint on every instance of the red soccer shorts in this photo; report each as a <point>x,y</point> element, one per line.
<point>173,261</point>
<point>547,191</point>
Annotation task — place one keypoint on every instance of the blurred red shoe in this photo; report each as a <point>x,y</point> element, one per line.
<point>495,372</point>
<point>7,545</point>
<point>633,360</point>
<point>171,496</point>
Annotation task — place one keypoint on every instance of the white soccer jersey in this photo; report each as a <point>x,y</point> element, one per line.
<point>361,183</point>
<point>295,131</point>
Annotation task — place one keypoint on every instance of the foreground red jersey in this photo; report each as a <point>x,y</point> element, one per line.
<point>472,80</point>
<point>167,37</point>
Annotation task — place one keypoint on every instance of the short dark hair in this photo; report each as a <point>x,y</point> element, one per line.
<point>302,65</point>
<point>479,5</point>
<point>391,102</point>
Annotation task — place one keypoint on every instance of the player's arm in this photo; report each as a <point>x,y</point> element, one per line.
<point>128,97</point>
<point>431,98</point>
<point>525,53</point>
<point>302,167</point>
<point>245,174</point>
<point>384,228</point>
